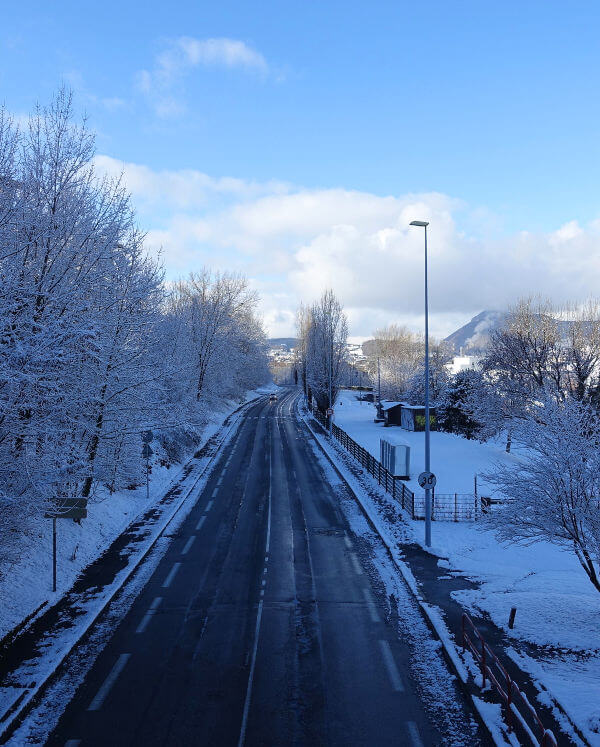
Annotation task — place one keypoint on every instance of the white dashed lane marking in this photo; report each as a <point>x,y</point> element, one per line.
<point>171,576</point>
<point>209,505</point>
<point>148,616</point>
<point>199,524</point>
<point>413,732</point>
<point>96,704</point>
<point>188,545</point>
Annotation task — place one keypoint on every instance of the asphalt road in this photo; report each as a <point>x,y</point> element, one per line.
<point>260,625</point>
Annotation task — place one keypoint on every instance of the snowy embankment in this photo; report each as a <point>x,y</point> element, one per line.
<point>26,583</point>
<point>557,627</point>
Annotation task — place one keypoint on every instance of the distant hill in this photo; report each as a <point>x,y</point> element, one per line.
<point>473,337</point>
<point>286,343</point>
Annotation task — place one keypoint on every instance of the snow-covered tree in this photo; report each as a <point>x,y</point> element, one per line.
<point>553,490</point>
<point>327,334</point>
<point>453,408</point>
<point>439,357</point>
<point>400,354</point>
<point>91,351</point>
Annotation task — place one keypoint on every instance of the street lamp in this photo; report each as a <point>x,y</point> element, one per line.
<point>428,481</point>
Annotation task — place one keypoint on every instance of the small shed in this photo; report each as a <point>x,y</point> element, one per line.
<point>392,412</point>
<point>412,418</point>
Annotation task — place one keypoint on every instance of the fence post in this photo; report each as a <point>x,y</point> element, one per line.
<point>483,662</point>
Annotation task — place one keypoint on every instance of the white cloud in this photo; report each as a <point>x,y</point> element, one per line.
<point>162,84</point>
<point>295,242</point>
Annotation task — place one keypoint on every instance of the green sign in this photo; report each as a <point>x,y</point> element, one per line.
<point>69,508</point>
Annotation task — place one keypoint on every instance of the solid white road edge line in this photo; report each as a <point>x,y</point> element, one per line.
<point>357,566</point>
<point>391,667</point>
<point>171,576</point>
<point>96,704</point>
<point>371,605</point>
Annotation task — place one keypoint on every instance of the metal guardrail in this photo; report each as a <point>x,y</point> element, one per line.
<point>445,506</point>
<point>392,485</point>
<point>492,670</point>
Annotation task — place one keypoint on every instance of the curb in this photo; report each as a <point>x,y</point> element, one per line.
<point>437,624</point>
<point>16,712</point>
<point>430,614</point>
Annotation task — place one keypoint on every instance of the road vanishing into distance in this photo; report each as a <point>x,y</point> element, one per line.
<point>261,625</point>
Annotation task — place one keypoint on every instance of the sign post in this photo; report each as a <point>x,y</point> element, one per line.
<point>54,553</point>
<point>69,508</point>
<point>147,452</point>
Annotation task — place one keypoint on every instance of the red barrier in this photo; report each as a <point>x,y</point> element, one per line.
<point>509,690</point>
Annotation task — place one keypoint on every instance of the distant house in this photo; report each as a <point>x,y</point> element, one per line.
<point>412,418</point>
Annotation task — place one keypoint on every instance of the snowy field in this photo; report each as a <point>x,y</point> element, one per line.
<point>27,582</point>
<point>454,460</point>
<point>558,610</point>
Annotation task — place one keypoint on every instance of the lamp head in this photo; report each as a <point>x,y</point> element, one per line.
<point>422,223</point>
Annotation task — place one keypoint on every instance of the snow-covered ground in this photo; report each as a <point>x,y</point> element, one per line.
<point>558,610</point>
<point>27,582</point>
<point>454,459</point>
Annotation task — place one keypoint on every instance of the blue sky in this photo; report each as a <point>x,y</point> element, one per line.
<point>483,115</point>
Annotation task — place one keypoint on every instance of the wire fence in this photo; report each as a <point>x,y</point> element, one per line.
<point>444,506</point>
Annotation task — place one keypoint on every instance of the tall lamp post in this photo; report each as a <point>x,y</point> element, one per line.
<point>428,482</point>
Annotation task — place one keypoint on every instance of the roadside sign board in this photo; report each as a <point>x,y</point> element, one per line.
<point>69,508</point>
<point>147,451</point>
<point>330,411</point>
<point>147,436</point>
<point>427,480</point>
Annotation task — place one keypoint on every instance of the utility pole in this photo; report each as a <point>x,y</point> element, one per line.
<point>330,374</point>
<point>426,479</point>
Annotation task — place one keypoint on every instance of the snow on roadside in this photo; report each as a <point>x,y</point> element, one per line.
<point>455,460</point>
<point>556,629</point>
<point>27,582</point>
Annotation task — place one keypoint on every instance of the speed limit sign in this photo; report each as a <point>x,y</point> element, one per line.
<point>427,480</point>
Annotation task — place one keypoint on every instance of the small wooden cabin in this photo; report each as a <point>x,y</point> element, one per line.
<point>392,412</point>
<point>412,418</point>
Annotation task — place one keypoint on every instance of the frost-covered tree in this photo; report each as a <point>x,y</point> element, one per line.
<point>325,346</point>
<point>553,490</point>
<point>439,357</point>
<point>400,354</point>
<point>91,352</point>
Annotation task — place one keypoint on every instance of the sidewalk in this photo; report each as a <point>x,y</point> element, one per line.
<point>435,586</point>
